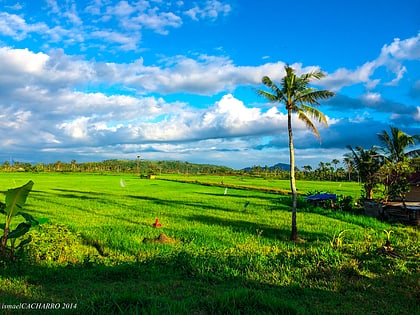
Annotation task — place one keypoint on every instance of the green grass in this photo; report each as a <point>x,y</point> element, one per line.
<point>227,259</point>
<point>271,185</point>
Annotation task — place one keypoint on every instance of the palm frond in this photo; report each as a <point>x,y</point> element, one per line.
<point>315,113</point>
<point>413,153</point>
<point>308,122</point>
<point>312,96</point>
<point>270,84</point>
<point>312,75</point>
<point>396,142</point>
<point>276,95</point>
<point>269,96</point>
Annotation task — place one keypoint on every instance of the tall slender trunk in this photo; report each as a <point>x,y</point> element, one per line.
<point>294,235</point>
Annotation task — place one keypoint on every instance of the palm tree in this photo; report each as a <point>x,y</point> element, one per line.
<point>335,162</point>
<point>349,162</point>
<point>299,99</point>
<point>368,164</point>
<point>397,168</point>
<point>396,143</point>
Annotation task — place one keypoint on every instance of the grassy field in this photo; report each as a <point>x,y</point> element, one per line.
<point>270,185</point>
<point>229,253</point>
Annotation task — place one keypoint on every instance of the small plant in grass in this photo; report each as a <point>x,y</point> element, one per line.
<point>337,240</point>
<point>388,238</point>
<point>14,202</point>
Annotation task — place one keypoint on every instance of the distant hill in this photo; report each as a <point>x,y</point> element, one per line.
<point>281,166</point>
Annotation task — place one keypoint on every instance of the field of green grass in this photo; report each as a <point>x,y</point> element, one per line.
<point>229,254</point>
<point>270,185</point>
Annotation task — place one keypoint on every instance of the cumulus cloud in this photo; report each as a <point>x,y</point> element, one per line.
<point>390,57</point>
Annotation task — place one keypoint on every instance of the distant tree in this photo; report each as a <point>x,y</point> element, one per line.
<point>73,165</point>
<point>7,166</point>
<point>58,165</point>
<point>307,170</point>
<point>349,163</point>
<point>322,171</point>
<point>368,164</point>
<point>295,93</point>
<point>335,162</point>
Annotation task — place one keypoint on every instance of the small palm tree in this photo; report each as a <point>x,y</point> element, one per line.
<point>368,164</point>
<point>349,162</point>
<point>299,99</point>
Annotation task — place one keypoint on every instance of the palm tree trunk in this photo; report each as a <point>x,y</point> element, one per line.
<point>294,235</point>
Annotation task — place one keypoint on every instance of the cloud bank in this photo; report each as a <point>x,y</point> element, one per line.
<point>57,104</point>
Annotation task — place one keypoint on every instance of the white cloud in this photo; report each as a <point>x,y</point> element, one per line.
<point>210,9</point>
<point>345,77</point>
<point>16,27</point>
<point>77,129</point>
<point>408,49</point>
<point>372,98</point>
<point>391,57</point>
<point>417,115</point>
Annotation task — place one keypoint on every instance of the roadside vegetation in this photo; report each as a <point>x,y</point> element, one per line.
<point>229,252</point>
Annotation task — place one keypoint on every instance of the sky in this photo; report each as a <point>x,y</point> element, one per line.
<point>92,80</point>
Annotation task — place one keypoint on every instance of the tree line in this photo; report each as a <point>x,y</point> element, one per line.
<point>141,167</point>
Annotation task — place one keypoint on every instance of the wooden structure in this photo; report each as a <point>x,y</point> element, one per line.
<point>395,211</point>
<point>408,213</point>
<point>414,193</point>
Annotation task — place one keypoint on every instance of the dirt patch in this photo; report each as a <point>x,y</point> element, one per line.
<point>161,239</point>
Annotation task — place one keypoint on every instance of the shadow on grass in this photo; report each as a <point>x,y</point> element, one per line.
<point>268,231</point>
<point>60,198</point>
<point>187,283</point>
<point>184,203</point>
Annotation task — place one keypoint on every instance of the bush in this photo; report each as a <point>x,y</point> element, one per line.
<point>57,243</point>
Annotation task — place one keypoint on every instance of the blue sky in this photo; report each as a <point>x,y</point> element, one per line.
<point>102,79</point>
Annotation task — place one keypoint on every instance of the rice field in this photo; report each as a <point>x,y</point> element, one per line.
<point>227,249</point>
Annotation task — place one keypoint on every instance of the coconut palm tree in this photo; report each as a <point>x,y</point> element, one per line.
<point>396,143</point>
<point>295,93</point>
<point>396,169</point>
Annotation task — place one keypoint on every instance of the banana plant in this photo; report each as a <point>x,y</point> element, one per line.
<point>14,202</point>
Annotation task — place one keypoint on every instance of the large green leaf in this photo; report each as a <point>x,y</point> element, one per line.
<point>24,242</point>
<point>20,230</point>
<point>2,207</point>
<point>29,218</point>
<point>16,198</point>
